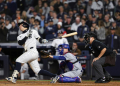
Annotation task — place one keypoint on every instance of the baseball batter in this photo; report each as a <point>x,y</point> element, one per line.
<point>71,61</point>
<point>28,40</point>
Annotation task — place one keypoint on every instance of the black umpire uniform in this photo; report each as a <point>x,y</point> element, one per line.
<point>104,56</point>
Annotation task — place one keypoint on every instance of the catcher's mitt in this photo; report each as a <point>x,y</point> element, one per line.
<point>45,54</point>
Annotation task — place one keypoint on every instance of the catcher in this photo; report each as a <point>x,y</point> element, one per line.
<point>71,61</point>
<point>28,40</point>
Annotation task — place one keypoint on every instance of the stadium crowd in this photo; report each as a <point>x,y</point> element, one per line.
<point>48,16</point>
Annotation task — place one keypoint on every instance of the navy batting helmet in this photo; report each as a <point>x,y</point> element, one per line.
<point>25,24</point>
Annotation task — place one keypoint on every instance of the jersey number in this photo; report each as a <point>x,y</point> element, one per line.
<point>30,34</point>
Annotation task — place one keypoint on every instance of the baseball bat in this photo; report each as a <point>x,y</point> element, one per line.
<point>70,34</point>
<point>64,36</point>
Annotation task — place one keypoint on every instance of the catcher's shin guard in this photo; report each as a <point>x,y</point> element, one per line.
<point>69,79</point>
<point>14,77</point>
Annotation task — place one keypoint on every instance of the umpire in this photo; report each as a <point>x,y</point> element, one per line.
<point>103,57</point>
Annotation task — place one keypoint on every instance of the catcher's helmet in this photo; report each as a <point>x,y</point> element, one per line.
<point>87,37</point>
<point>25,24</point>
<point>61,47</point>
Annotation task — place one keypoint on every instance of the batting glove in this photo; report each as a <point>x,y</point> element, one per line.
<point>44,41</point>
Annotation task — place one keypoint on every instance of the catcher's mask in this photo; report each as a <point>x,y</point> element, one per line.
<point>87,37</point>
<point>25,24</point>
<point>61,48</point>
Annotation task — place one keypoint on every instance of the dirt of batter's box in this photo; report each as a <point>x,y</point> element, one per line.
<point>47,83</point>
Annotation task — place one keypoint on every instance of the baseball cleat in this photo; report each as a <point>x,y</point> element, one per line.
<point>78,80</point>
<point>55,79</point>
<point>11,79</point>
<point>101,80</point>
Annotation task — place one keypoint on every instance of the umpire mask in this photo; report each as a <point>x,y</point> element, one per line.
<point>87,37</point>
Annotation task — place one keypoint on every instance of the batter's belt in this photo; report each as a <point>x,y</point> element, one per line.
<point>30,48</point>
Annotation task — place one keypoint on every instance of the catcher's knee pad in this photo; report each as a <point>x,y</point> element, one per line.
<point>68,79</point>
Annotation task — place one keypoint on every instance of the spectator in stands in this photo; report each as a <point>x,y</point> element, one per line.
<point>1,53</point>
<point>82,11</point>
<point>97,5</point>
<point>93,27</point>
<point>78,5</point>
<point>65,18</point>
<point>33,14</point>
<point>28,4</point>
<point>84,16</point>
<point>51,8</point>
<point>3,15</point>
<point>1,5</point>
<point>118,20</point>
<point>53,2</point>
<point>24,16</point>
<point>66,7</point>
<point>107,23</point>
<point>82,30</point>
<point>96,12</point>
<point>7,24</point>
<point>88,8</point>
<point>60,19</point>
<point>100,16</point>
<point>21,4</point>
<point>100,30</point>
<point>55,20</point>
<point>61,12</point>
<point>118,7</point>
<point>70,14</point>
<point>42,21</point>
<point>18,11</point>
<point>113,40</point>
<point>17,18</point>
<point>74,13</point>
<point>75,26</point>
<point>57,5</point>
<point>3,32</point>
<point>31,20</point>
<point>50,15</point>
<point>12,6</point>
<point>40,12</point>
<point>89,21</point>
<point>37,7</point>
<point>46,10</point>
<point>75,51</point>
<point>59,27</point>
<point>2,19</point>
<point>36,25</point>
<point>7,11</point>
<point>24,72</point>
<point>67,25</point>
<point>13,33</point>
<point>39,28</point>
<point>50,30</point>
<point>94,19</point>
<point>109,6</point>
<point>114,25</point>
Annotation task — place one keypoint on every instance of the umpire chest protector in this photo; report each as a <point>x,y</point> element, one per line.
<point>96,47</point>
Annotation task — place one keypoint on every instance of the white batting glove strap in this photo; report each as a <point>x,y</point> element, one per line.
<point>44,41</point>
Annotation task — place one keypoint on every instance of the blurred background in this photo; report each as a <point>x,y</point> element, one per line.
<point>99,16</point>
